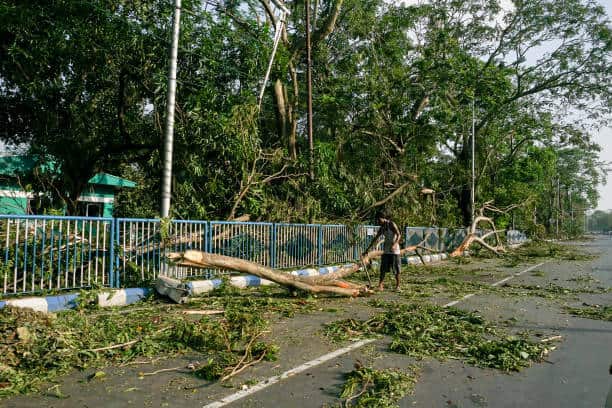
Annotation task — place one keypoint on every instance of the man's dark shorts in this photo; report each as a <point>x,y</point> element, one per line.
<point>389,262</point>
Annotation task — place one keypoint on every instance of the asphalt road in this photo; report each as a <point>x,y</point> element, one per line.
<point>575,375</point>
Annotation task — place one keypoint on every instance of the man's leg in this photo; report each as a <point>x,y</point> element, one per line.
<point>396,269</point>
<point>384,266</point>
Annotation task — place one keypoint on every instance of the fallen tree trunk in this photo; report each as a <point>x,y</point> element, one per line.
<point>369,257</point>
<point>205,260</point>
<point>332,283</point>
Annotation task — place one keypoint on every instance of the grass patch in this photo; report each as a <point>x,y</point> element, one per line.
<point>439,270</point>
<point>266,299</point>
<point>583,279</point>
<point>423,330</point>
<point>595,312</point>
<point>367,387</point>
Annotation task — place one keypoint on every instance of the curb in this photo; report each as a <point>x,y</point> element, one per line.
<point>180,291</point>
<point>124,297</point>
<point>51,304</point>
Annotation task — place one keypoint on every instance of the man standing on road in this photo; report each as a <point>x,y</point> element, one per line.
<point>391,255</point>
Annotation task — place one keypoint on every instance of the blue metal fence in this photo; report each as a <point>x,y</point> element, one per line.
<point>49,253</point>
<point>43,253</point>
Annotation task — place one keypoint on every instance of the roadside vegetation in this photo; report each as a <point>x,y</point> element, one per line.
<point>36,348</point>
<point>398,138</point>
<point>367,387</point>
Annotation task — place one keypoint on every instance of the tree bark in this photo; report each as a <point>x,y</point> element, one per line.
<point>206,260</point>
<point>472,237</point>
<point>331,283</point>
<point>281,108</point>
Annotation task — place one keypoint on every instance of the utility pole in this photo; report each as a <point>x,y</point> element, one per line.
<point>472,193</point>
<point>170,107</point>
<point>558,203</point>
<point>309,90</point>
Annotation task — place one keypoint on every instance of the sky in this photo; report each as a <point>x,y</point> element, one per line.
<point>604,139</point>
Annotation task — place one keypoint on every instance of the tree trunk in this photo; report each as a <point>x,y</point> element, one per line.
<point>281,109</point>
<point>465,204</point>
<point>331,283</point>
<point>472,237</point>
<point>206,260</point>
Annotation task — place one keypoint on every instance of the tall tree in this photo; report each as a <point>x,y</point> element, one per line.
<point>77,78</point>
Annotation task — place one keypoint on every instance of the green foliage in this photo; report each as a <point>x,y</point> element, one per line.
<point>423,71</point>
<point>367,387</point>
<point>422,330</point>
<point>165,224</point>
<point>543,249</point>
<point>37,347</point>
<point>600,221</point>
<point>592,312</point>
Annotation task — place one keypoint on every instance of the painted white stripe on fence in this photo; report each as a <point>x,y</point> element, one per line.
<point>273,380</point>
<point>200,287</point>
<point>113,298</point>
<point>238,282</point>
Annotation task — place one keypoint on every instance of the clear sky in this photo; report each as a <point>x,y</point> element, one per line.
<point>604,139</point>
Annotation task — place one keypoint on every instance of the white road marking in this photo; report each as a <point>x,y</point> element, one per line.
<point>506,279</point>
<point>329,356</point>
<point>454,302</point>
<point>531,268</point>
<point>273,380</point>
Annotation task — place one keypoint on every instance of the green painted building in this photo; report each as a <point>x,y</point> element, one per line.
<point>96,201</point>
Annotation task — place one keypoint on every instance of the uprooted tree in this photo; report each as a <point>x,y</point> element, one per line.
<point>472,235</point>
<point>333,283</point>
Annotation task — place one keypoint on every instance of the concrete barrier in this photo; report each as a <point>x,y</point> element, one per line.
<point>51,304</point>
<point>122,297</point>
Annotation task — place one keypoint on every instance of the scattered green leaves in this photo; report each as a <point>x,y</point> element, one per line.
<point>423,330</point>
<point>37,347</point>
<point>367,387</point>
<point>596,312</point>
<point>543,249</point>
<point>549,291</point>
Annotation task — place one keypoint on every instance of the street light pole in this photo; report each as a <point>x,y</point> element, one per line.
<point>309,91</point>
<point>170,107</point>
<point>472,193</point>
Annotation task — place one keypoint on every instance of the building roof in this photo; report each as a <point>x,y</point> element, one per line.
<point>9,165</point>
